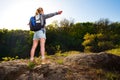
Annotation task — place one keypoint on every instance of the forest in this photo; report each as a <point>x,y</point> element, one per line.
<point>63,36</point>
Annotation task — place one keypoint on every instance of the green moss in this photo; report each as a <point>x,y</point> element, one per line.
<point>65,54</point>
<point>114,51</point>
<point>60,61</point>
<point>112,76</point>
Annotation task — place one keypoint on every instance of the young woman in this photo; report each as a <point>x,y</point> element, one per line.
<point>40,35</point>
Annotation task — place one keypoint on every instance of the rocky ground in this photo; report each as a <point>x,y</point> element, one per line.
<point>93,66</point>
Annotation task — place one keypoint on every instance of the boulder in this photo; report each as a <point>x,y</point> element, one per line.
<point>97,60</point>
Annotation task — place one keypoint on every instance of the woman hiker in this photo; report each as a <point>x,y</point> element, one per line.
<point>40,35</point>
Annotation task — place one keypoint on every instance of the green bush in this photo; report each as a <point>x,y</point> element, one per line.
<point>97,42</point>
<point>10,58</point>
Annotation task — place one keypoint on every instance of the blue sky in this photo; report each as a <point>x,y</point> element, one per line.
<point>15,14</point>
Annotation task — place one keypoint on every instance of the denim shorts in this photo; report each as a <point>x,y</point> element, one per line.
<point>40,34</point>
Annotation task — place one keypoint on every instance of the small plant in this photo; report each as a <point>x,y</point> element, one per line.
<point>10,58</point>
<point>31,65</point>
<point>59,61</point>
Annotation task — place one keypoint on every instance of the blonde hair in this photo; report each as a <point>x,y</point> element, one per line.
<point>39,11</point>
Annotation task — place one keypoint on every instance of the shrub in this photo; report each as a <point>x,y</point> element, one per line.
<point>97,42</point>
<point>10,58</point>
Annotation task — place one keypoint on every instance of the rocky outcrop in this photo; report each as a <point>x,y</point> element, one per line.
<point>93,66</point>
<point>75,67</point>
<point>96,60</point>
<point>17,70</point>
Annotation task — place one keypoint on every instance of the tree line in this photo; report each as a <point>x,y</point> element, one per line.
<point>63,36</point>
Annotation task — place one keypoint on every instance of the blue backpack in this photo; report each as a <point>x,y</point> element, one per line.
<point>35,25</point>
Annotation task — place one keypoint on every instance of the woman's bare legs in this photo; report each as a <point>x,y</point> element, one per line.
<point>42,47</point>
<point>35,43</point>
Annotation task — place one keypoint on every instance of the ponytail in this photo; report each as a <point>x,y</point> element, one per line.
<point>39,11</point>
